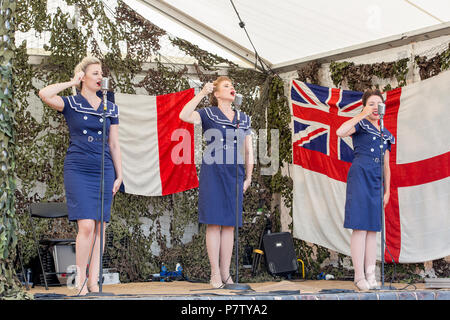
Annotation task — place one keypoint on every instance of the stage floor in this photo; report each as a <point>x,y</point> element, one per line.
<point>282,290</point>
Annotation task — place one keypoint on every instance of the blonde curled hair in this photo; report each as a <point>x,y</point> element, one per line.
<point>82,66</point>
<point>212,99</point>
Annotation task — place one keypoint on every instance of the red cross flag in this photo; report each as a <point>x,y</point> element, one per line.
<point>417,216</point>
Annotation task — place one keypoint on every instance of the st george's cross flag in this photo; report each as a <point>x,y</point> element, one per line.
<point>417,217</point>
<point>152,139</point>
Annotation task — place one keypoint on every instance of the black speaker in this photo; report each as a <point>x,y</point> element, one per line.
<point>279,253</point>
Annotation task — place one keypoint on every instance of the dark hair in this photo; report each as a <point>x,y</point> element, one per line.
<point>212,99</point>
<point>371,92</point>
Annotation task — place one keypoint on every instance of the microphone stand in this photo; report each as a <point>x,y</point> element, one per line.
<point>105,85</point>
<point>237,285</point>
<point>382,150</point>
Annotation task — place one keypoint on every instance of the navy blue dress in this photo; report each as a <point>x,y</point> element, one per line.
<point>363,196</point>
<point>217,183</point>
<point>82,165</point>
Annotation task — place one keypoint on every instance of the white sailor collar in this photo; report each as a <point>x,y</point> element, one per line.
<point>216,115</point>
<point>369,127</point>
<point>80,104</point>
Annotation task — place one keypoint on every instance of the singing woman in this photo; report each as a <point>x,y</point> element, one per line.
<point>82,164</point>
<point>363,194</point>
<point>217,187</point>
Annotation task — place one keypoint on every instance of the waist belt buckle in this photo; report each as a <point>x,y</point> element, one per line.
<point>376,160</point>
<point>90,138</point>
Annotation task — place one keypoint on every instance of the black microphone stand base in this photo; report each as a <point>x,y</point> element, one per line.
<point>237,286</point>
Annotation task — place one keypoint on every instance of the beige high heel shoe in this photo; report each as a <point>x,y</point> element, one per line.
<point>362,284</point>
<point>216,284</point>
<point>228,280</point>
<point>370,277</point>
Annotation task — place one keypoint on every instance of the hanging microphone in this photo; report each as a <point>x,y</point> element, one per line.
<point>381,109</point>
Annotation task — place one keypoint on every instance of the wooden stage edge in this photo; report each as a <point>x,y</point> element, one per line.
<point>282,290</point>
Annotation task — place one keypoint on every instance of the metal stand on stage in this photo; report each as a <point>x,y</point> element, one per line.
<point>104,88</point>
<point>381,112</point>
<point>237,285</point>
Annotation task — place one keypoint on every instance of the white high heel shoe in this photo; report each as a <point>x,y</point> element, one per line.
<point>362,285</point>
<point>370,277</point>
<point>214,284</point>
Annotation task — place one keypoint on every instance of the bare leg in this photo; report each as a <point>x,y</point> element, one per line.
<point>213,248</point>
<point>94,266</point>
<point>226,251</point>
<point>82,247</point>
<point>357,248</point>
<point>371,258</point>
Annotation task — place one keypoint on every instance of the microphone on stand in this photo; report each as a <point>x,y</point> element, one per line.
<point>104,87</point>
<point>236,285</point>
<point>237,104</point>
<point>381,109</point>
<point>381,113</point>
<point>238,100</point>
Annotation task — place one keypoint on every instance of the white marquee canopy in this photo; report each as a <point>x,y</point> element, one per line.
<point>286,33</point>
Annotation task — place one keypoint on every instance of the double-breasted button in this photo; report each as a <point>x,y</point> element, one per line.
<point>99,132</point>
<point>85,117</point>
<point>84,131</point>
<point>101,120</point>
<point>374,138</point>
<point>372,149</point>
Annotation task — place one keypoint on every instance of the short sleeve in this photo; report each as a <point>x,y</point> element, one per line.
<point>248,131</point>
<point>115,120</point>
<point>66,105</point>
<point>203,117</point>
<point>357,129</point>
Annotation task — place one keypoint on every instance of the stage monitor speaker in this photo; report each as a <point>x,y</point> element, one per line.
<point>279,253</point>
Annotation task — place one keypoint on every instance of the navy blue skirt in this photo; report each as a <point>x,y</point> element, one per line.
<point>82,181</point>
<point>363,197</point>
<point>217,194</point>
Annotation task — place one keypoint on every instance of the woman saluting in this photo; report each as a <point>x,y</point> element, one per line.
<point>82,164</point>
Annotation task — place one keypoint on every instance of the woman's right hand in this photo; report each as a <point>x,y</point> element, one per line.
<point>208,88</point>
<point>77,78</point>
<point>370,109</point>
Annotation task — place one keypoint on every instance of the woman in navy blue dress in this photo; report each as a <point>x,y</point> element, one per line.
<point>82,164</point>
<point>363,198</point>
<point>217,186</point>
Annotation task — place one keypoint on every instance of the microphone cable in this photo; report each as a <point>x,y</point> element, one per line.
<point>257,56</point>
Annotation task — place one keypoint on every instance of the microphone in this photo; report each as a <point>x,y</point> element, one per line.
<point>381,109</point>
<point>237,103</point>
<point>105,84</point>
<point>238,100</point>
<point>104,87</point>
